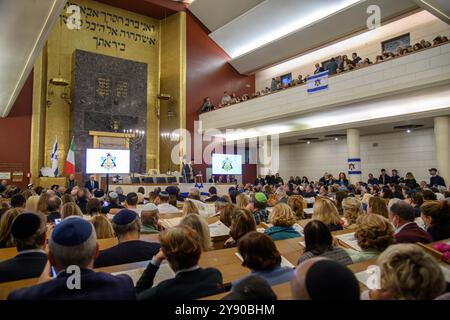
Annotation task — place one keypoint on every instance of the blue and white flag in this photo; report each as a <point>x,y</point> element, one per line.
<point>54,159</point>
<point>354,166</point>
<point>317,82</point>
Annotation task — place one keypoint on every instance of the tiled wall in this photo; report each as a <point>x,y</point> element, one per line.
<point>403,151</point>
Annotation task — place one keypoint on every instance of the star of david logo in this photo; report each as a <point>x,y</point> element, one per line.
<point>227,165</point>
<point>108,162</point>
<point>317,82</point>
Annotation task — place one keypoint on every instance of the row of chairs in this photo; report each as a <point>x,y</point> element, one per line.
<point>155,180</point>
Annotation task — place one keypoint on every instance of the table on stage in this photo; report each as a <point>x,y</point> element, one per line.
<point>222,188</point>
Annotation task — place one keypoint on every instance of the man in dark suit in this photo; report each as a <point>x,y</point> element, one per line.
<point>181,247</point>
<point>372,180</point>
<point>384,178</point>
<point>402,216</point>
<point>186,171</point>
<point>436,180</point>
<point>72,249</point>
<point>29,233</point>
<point>91,184</point>
<point>71,183</point>
<point>127,227</point>
<point>395,178</point>
<point>212,195</point>
<point>260,180</point>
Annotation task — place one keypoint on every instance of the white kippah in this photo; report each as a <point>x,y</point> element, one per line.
<point>149,207</point>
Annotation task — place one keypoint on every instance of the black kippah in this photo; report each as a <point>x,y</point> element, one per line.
<point>25,225</point>
<point>330,280</point>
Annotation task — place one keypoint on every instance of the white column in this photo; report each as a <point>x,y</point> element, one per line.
<point>442,136</point>
<point>354,156</point>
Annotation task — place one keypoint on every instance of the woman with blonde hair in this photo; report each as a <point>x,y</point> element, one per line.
<point>32,204</point>
<point>352,209</point>
<point>227,198</point>
<point>65,198</point>
<point>103,227</point>
<point>378,206</point>
<point>283,219</point>
<point>297,204</point>
<point>325,210</point>
<point>6,240</point>
<point>407,272</point>
<point>43,203</point>
<point>70,209</point>
<point>374,234</point>
<point>189,207</point>
<point>199,225</point>
<point>241,200</point>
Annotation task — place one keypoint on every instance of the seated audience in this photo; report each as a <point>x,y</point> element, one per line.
<point>226,99</point>
<point>319,242</point>
<point>102,226</point>
<point>372,180</point>
<point>18,201</point>
<point>82,199</point>
<point>257,206</point>
<point>407,272</point>
<point>282,218</point>
<point>352,209</point>
<point>262,257</point>
<point>6,240</point>
<point>374,234</point>
<point>251,288</point>
<point>150,219</point>
<point>73,243</point>
<point>378,206</point>
<point>70,209</point>
<point>324,279</point>
<point>189,207</point>
<point>65,198</point>
<point>53,208</point>
<point>402,216</point>
<point>212,195</point>
<point>242,222</point>
<point>182,249</point>
<point>28,231</point>
<point>199,225</point>
<point>127,227</point>
<point>297,204</point>
<point>324,210</point>
<point>207,105</point>
<point>436,217</point>
<point>93,207</point>
<point>162,201</point>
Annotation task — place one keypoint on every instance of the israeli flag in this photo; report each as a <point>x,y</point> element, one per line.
<point>54,159</point>
<point>317,82</point>
<point>354,166</point>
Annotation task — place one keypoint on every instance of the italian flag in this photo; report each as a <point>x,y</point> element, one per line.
<point>69,166</point>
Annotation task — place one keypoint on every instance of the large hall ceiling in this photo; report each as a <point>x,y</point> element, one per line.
<point>272,31</point>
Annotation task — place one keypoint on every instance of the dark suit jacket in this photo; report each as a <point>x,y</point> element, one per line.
<point>384,179</point>
<point>372,181</point>
<point>188,285</point>
<point>437,181</point>
<point>88,185</point>
<point>127,252</point>
<point>412,233</point>
<point>94,286</point>
<point>212,198</point>
<point>23,266</point>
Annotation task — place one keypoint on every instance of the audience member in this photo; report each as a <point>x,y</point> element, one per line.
<point>70,209</point>
<point>282,218</point>
<point>199,225</point>
<point>319,242</point>
<point>189,207</point>
<point>6,240</point>
<point>297,204</point>
<point>407,273</point>
<point>324,210</point>
<point>352,209</point>
<point>378,206</point>
<point>251,288</point>
<point>28,231</point>
<point>401,214</point>
<point>435,179</point>
<point>182,249</point>
<point>53,208</point>
<point>242,222</point>
<point>436,217</point>
<point>126,225</point>
<point>324,279</point>
<point>257,206</point>
<point>242,200</point>
<point>374,234</point>
<point>261,256</point>
<point>102,226</point>
<point>150,219</point>
<point>73,243</point>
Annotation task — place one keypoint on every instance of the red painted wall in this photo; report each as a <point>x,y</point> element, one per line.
<point>208,73</point>
<point>15,134</point>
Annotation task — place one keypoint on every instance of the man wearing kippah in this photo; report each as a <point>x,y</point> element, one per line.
<point>29,234</point>
<point>73,246</point>
<point>257,205</point>
<point>127,227</point>
<point>162,201</point>
<point>113,202</point>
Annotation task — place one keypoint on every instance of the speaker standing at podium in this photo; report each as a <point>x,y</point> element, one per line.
<point>186,172</point>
